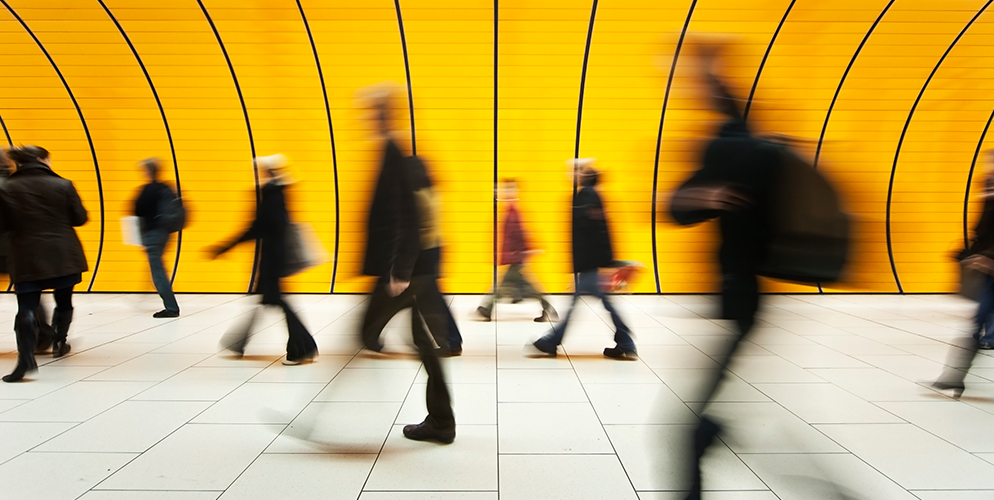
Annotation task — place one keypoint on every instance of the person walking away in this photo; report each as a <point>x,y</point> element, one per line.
<point>592,250</point>
<point>40,210</point>
<point>514,252</point>
<point>151,208</point>
<point>402,252</point>
<point>270,227</point>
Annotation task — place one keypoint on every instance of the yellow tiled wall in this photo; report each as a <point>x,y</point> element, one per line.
<point>892,96</point>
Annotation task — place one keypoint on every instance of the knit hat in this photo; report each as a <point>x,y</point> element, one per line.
<point>276,165</point>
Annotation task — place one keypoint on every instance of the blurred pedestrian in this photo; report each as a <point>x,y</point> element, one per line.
<point>40,209</point>
<point>45,332</point>
<point>154,206</point>
<point>592,251</point>
<point>270,227</point>
<point>403,252</point>
<point>514,251</point>
<point>977,257</point>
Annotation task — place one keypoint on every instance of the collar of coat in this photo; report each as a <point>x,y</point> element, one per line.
<point>33,169</point>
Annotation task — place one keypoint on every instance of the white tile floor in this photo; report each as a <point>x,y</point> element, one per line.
<point>822,402</point>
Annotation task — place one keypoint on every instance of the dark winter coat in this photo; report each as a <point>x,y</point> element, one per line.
<point>269,226</point>
<point>515,245</point>
<point>591,238</point>
<point>40,209</point>
<point>393,242</point>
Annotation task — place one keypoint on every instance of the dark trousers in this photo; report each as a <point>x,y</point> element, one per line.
<point>588,283</point>
<point>155,244</point>
<point>26,327</point>
<point>514,284</point>
<point>299,345</point>
<point>31,301</point>
<point>427,308</point>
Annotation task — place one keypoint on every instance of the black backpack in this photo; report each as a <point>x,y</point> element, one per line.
<point>172,213</point>
<point>809,232</point>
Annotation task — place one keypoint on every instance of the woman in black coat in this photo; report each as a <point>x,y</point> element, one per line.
<point>41,210</point>
<point>270,226</point>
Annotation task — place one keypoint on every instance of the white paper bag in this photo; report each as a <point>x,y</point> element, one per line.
<point>131,231</point>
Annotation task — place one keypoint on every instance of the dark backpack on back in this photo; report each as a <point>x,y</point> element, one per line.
<point>172,213</point>
<point>809,232</point>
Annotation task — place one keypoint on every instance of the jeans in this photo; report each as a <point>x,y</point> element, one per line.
<point>588,283</point>
<point>155,243</point>
<point>984,320</point>
<point>514,284</point>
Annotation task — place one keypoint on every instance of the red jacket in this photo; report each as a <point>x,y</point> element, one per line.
<point>515,245</point>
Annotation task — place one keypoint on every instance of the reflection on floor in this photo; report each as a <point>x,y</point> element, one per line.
<point>823,402</point>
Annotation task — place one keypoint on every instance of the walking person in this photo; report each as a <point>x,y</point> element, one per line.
<point>403,251</point>
<point>151,207</point>
<point>40,210</point>
<point>270,227</point>
<point>514,251</point>
<point>978,257</point>
<point>592,251</point>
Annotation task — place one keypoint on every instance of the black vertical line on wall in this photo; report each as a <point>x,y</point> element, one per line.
<point>248,127</point>
<point>407,69</point>
<point>86,130</point>
<point>900,142</point>
<point>6,133</point>
<point>165,122</point>
<point>766,55</point>
<point>969,179</point>
<point>331,132</point>
<point>659,139</point>
<point>583,82</point>
<point>493,278</point>
<point>842,81</point>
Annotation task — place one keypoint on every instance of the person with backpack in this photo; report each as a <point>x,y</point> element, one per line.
<point>592,250</point>
<point>41,210</point>
<point>270,227</point>
<point>156,209</point>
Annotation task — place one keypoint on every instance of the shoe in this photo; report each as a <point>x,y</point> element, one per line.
<point>60,348</point>
<point>449,353</point>
<point>18,374</point>
<point>288,361</point>
<point>483,313</point>
<point>165,313</point>
<point>547,318</point>
<point>985,346</point>
<point>619,353</point>
<point>428,432</point>
<point>545,346</point>
<point>957,388</point>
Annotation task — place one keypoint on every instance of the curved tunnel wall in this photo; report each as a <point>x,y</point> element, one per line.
<point>893,98</point>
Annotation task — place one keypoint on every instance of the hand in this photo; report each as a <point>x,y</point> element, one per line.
<point>215,251</point>
<point>396,287</point>
<point>980,263</point>
<point>724,198</point>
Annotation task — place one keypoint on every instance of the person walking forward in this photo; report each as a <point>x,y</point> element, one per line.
<point>40,209</point>
<point>150,207</point>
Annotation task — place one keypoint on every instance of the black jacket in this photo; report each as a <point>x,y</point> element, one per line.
<point>149,202</point>
<point>591,237</point>
<point>40,209</point>
<point>393,235</point>
<point>269,226</point>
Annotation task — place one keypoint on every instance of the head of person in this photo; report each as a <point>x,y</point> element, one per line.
<point>508,189</point>
<point>587,175</point>
<point>26,155</point>
<point>380,103</point>
<point>151,167</point>
<point>274,168</point>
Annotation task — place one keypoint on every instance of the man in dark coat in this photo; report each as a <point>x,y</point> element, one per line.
<point>403,252</point>
<point>592,250</point>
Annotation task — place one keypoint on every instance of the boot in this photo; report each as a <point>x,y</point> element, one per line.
<point>24,328</point>
<point>61,319</point>
<point>46,334</point>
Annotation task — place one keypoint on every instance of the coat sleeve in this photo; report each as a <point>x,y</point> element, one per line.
<point>406,240</point>
<point>77,212</point>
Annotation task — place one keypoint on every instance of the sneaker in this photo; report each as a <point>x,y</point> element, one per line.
<point>546,317</point>
<point>986,346</point>
<point>545,346</point>
<point>483,313</point>
<point>165,313</point>
<point>619,353</point>
<point>428,432</point>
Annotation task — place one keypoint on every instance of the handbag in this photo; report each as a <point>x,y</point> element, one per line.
<point>971,282</point>
<point>303,249</point>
